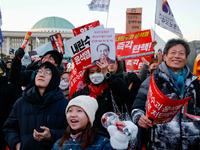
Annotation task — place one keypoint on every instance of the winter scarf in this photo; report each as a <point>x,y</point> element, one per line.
<point>179,80</point>
<point>97,90</point>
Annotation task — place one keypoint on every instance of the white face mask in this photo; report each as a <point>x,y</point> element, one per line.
<point>96,78</point>
<point>63,85</point>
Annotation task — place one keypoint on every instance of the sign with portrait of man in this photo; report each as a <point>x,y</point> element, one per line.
<point>79,49</point>
<point>102,43</point>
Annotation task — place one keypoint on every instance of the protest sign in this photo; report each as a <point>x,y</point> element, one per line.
<point>133,45</point>
<point>137,63</point>
<point>133,20</point>
<point>33,56</point>
<point>79,49</point>
<point>102,44</point>
<point>86,27</point>
<point>161,109</point>
<point>75,81</point>
<point>26,39</point>
<point>57,43</point>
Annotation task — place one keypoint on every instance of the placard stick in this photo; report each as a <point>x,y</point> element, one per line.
<point>130,86</point>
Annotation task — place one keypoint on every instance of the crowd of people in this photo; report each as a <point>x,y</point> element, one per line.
<point>42,117</point>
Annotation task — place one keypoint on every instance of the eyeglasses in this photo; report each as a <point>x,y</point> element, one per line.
<point>48,58</point>
<point>46,72</point>
<point>65,79</point>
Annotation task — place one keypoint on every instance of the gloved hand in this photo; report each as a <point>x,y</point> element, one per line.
<point>132,77</point>
<point>133,129</point>
<point>118,139</point>
<point>19,54</point>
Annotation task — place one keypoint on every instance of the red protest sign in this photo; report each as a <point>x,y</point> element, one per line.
<point>26,39</point>
<point>160,108</point>
<point>57,43</point>
<point>79,49</point>
<point>86,27</point>
<point>75,81</point>
<point>137,63</point>
<point>34,56</point>
<point>133,45</point>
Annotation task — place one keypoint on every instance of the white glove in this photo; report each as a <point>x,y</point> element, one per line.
<point>118,140</point>
<point>133,129</point>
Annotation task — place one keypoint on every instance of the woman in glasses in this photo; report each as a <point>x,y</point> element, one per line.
<point>38,118</point>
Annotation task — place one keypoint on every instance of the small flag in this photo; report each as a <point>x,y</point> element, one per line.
<point>165,18</point>
<point>0,18</point>
<point>1,38</point>
<point>99,5</point>
<point>37,40</point>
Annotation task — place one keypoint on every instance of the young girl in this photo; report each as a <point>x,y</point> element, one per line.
<point>80,134</point>
<point>99,83</point>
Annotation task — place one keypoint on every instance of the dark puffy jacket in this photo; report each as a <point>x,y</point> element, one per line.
<point>9,94</point>
<point>32,111</point>
<point>120,93</point>
<point>18,77</point>
<point>181,132</point>
<point>127,78</point>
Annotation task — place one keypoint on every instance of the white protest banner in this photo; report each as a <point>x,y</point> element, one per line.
<point>102,44</point>
<point>99,5</point>
<point>79,49</point>
<point>165,18</point>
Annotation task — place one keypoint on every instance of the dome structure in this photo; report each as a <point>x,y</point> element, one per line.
<point>53,24</point>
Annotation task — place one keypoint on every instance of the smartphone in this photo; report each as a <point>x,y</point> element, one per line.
<point>11,51</point>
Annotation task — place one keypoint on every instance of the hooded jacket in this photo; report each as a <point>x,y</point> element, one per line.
<point>181,132</point>
<point>32,111</point>
<point>23,78</point>
<point>9,93</point>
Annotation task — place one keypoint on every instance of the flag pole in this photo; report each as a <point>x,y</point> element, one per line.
<point>107,18</point>
<point>155,22</point>
<point>107,15</point>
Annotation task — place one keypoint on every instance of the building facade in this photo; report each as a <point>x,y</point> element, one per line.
<point>42,30</point>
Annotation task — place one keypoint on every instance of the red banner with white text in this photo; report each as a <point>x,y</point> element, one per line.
<point>86,27</point>
<point>137,63</point>
<point>133,45</point>
<point>160,108</point>
<point>57,43</point>
<point>75,81</point>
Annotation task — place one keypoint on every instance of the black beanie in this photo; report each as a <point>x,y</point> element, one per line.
<point>55,79</point>
<point>56,56</point>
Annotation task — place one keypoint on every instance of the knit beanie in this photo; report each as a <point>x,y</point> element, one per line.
<point>55,79</point>
<point>87,103</point>
<point>56,56</point>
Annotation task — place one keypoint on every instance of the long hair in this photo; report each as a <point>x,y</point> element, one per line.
<point>86,79</point>
<point>88,136</point>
